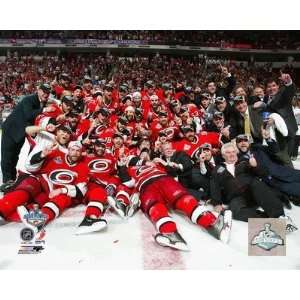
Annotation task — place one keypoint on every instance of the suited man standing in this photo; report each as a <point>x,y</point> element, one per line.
<point>247,119</point>
<point>280,101</point>
<point>13,131</point>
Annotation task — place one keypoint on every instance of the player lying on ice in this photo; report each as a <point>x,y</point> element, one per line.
<point>59,181</point>
<point>157,191</point>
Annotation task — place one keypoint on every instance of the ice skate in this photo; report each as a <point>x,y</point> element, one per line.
<point>222,228</point>
<point>6,186</point>
<point>173,240</point>
<point>2,221</point>
<point>118,206</point>
<point>295,200</point>
<point>290,225</point>
<point>89,225</point>
<point>133,206</point>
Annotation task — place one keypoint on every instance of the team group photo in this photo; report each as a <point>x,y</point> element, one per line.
<point>149,149</point>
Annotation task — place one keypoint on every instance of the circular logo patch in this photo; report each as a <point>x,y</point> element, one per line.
<point>27,234</point>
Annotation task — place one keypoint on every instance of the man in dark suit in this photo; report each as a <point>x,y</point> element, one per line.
<point>177,163</point>
<point>237,185</point>
<point>180,166</point>
<point>201,172</point>
<point>280,101</point>
<point>280,177</point>
<point>222,105</point>
<point>13,131</point>
<point>220,125</point>
<point>247,119</point>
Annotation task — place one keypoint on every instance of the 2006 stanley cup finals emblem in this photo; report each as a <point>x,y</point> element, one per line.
<point>33,234</point>
<point>266,237</point>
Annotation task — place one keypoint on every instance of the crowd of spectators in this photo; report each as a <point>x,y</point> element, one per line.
<point>20,74</point>
<point>238,39</point>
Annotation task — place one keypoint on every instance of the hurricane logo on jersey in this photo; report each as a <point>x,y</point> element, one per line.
<point>99,165</point>
<point>99,129</point>
<point>62,176</point>
<point>169,132</point>
<point>143,169</point>
<point>196,154</point>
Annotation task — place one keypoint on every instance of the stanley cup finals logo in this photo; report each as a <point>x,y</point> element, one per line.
<point>266,237</point>
<point>33,235</point>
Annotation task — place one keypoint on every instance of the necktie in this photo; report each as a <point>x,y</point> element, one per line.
<point>270,99</point>
<point>247,124</point>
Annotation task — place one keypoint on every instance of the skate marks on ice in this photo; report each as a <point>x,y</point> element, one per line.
<point>129,245</point>
<point>156,257</point>
<point>117,247</point>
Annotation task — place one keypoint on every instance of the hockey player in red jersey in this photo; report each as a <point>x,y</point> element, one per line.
<point>87,88</point>
<point>129,113</point>
<point>102,166</point>
<point>27,189</point>
<point>165,94</point>
<point>163,123</point>
<point>143,106</point>
<point>126,201</point>
<point>157,190</point>
<point>142,143</point>
<point>148,91</point>
<point>118,148</point>
<point>95,103</point>
<point>63,178</point>
<point>37,135</point>
<point>155,107</point>
<point>55,112</point>
<point>122,200</point>
<point>61,86</point>
<point>103,182</point>
<point>58,181</point>
<point>91,128</point>
<point>109,102</point>
<point>192,141</point>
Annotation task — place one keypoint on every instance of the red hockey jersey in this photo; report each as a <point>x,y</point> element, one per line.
<point>55,171</point>
<point>102,170</point>
<point>146,173</point>
<point>192,148</point>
